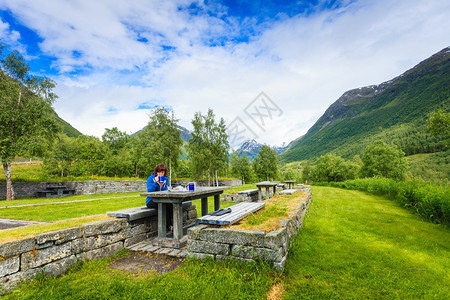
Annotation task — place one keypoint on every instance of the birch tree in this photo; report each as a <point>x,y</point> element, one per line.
<point>27,119</point>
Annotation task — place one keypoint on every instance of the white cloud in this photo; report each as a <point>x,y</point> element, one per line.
<point>303,63</point>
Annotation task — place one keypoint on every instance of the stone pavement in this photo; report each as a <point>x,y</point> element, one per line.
<point>147,246</point>
<point>7,223</point>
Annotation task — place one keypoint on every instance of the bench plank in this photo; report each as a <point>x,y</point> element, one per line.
<point>249,192</point>
<point>138,212</point>
<point>238,212</point>
<point>288,192</point>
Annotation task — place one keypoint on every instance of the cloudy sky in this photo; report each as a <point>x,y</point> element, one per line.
<point>269,68</point>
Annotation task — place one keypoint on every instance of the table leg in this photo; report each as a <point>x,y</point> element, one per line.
<point>259,195</point>
<point>177,221</point>
<point>204,206</point>
<point>267,193</point>
<point>162,231</point>
<point>216,202</point>
<point>274,191</point>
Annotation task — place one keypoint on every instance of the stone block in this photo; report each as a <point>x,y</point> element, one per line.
<point>98,241</point>
<point>197,255</point>
<point>233,236</point>
<point>9,265</point>
<point>104,227</point>
<point>279,266</point>
<point>36,258</point>
<point>275,239</point>
<point>194,232</point>
<point>137,230</point>
<point>135,239</point>
<point>109,250</point>
<point>208,247</point>
<point>59,267</point>
<point>10,282</point>
<point>249,252</point>
<point>44,245</point>
<point>16,247</point>
<point>60,236</point>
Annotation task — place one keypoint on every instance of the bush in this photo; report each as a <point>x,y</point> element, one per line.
<point>431,202</point>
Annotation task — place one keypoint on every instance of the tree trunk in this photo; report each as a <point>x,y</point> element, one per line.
<point>209,183</point>
<point>217,179</point>
<point>170,171</point>
<point>9,188</point>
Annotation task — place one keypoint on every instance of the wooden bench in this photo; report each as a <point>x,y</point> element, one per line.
<point>288,192</point>
<point>238,212</point>
<point>138,212</point>
<point>45,194</point>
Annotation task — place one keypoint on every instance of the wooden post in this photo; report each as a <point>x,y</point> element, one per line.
<point>259,194</point>
<point>177,221</point>
<point>162,231</point>
<point>216,202</point>
<point>204,206</point>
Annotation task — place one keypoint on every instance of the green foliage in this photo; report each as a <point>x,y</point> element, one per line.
<point>115,139</point>
<point>208,147</point>
<point>431,202</point>
<point>27,119</point>
<point>159,142</point>
<point>331,167</point>
<point>439,122</point>
<point>430,167</point>
<point>265,164</point>
<point>383,160</point>
<point>396,115</point>
<point>241,167</point>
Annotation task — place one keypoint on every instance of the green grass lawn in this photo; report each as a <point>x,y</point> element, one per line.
<point>352,246</point>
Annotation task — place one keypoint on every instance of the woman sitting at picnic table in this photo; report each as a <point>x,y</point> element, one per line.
<point>154,184</point>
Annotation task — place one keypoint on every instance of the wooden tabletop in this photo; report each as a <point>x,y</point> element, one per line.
<point>199,192</point>
<point>266,183</point>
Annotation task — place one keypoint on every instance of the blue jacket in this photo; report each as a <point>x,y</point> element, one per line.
<point>152,186</point>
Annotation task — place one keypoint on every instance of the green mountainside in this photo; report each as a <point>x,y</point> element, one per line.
<point>394,111</point>
<point>67,129</point>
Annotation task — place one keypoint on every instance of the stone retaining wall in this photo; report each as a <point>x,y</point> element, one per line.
<point>247,245</point>
<point>54,252</point>
<point>91,187</point>
<point>236,198</point>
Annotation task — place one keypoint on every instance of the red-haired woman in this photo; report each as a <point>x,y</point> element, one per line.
<point>158,181</point>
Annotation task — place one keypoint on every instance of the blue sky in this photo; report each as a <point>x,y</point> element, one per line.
<point>115,60</point>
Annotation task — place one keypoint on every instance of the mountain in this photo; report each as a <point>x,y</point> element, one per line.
<point>252,147</point>
<point>67,129</point>
<point>185,134</point>
<point>394,111</point>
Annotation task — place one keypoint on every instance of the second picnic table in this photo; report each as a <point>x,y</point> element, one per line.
<point>176,198</point>
<point>267,185</point>
<point>290,183</point>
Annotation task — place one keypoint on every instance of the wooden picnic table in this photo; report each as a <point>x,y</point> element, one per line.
<point>290,183</point>
<point>176,198</point>
<point>267,185</point>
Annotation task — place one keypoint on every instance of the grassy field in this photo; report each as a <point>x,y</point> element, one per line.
<point>352,246</point>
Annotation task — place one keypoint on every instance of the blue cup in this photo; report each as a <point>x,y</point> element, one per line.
<point>161,178</point>
<point>191,186</point>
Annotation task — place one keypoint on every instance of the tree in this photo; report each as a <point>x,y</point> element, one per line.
<point>115,139</point>
<point>160,141</point>
<point>330,167</point>
<point>27,119</point>
<point>265,163</point>
<point>383,160</point>
<point>241,167</point>
<point>208,147</point>
<point>439,122</point>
